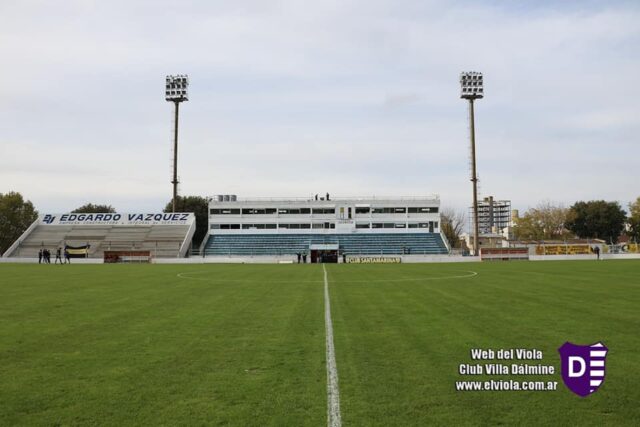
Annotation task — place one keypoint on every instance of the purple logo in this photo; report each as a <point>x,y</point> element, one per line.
<point>583,367</point>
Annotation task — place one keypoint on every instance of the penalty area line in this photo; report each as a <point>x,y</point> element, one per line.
<point>333,393</point>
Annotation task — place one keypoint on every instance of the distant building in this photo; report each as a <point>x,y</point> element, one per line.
<point>493,215</point>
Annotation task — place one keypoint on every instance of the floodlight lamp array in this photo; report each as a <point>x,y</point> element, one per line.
<point>176,88</point>
<point>472,85</point>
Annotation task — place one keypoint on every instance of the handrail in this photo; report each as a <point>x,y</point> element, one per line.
<point>446,241</point>
<point>203,244</point>
<point>431,197</point>
<point>187,240</point>
<point>17,243</point>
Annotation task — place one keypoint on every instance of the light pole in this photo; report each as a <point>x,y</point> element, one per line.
<point>176,92</point>
<point>472,88</point>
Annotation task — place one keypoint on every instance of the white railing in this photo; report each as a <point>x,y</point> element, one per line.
<point>17,243</point>
<point>203,245</point>
<point>186,244</point>
<point>430,197</point>
<point>446,241</point>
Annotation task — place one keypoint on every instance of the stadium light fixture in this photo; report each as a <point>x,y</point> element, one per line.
<point>176,92</point>
<point>472,88</point>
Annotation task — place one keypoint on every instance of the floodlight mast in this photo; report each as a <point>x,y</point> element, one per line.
<point>472,88</point>
<point>176,92</point>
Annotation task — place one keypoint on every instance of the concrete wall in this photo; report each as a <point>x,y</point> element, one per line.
<point>410,259</point>
<point>288,258</point>
<point>35,260</point>
<point>581,257</point>
<point>228,260</point>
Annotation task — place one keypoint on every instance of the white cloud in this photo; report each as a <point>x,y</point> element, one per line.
<point>293,98</point>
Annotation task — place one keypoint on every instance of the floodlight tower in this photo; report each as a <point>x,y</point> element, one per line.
<point>176,92</point>
<point>472,89</point>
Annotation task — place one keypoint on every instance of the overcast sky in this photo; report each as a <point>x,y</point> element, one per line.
<point>293,98</point>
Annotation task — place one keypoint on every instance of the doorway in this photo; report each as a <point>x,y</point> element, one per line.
<point>324,256</point>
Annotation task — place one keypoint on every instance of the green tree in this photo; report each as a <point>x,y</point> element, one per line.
<point>91,208</point>
<point>452,225</point>
<point>200,207</point>
<point>544,222</point>
<point>597,219</point>
<point>16,215</point>
<point>634,220</point>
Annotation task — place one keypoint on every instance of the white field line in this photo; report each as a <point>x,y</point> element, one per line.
<point>419,279</point>
<point>333,393</point>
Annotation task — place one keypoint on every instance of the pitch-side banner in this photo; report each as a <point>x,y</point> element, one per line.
<point>579,249</point>
<point>373,260</point>
<point>118,219</point>
<point>77,251</point>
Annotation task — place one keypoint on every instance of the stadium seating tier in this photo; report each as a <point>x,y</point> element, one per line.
<point>351,244</point>
<point>163,241</point>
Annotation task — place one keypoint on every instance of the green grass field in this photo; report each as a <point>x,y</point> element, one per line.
<point>245,344</point>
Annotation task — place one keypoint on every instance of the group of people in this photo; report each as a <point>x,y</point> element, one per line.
<point>322,258</point>
<point>44,256</point>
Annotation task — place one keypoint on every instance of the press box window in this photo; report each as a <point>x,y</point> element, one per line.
<point>388,210</point>
<point>253,226</point>
<point>423,210</point>
<point>224,212</point>
<point>301,211</point>
<point>229,226</point>
<point>251,211</point>
<point>323,211</point>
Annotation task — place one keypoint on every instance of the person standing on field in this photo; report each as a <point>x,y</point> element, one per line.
<point>58,256</point>
<point>40,256</point>
<point>67,257</point>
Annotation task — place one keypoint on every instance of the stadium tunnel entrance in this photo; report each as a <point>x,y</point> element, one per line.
<point>324,253</point>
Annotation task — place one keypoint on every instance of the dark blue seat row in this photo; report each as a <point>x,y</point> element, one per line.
<point>352,244</point>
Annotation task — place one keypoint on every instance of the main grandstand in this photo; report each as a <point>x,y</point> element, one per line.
<point>324,228</point>
<point>161,235</point>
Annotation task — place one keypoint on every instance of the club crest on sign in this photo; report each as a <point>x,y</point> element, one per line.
<point>583,367</point>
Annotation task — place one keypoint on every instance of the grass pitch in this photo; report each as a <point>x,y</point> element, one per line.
<point>245,344</point>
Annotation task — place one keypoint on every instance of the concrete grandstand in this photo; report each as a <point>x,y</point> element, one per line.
<point>163,235</point>
<point>324,228</point>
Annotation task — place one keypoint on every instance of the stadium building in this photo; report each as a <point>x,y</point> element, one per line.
<point>324,228</point>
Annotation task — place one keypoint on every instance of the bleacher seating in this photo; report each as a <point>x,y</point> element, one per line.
<point>352,244</point>
<point>163,241</point>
